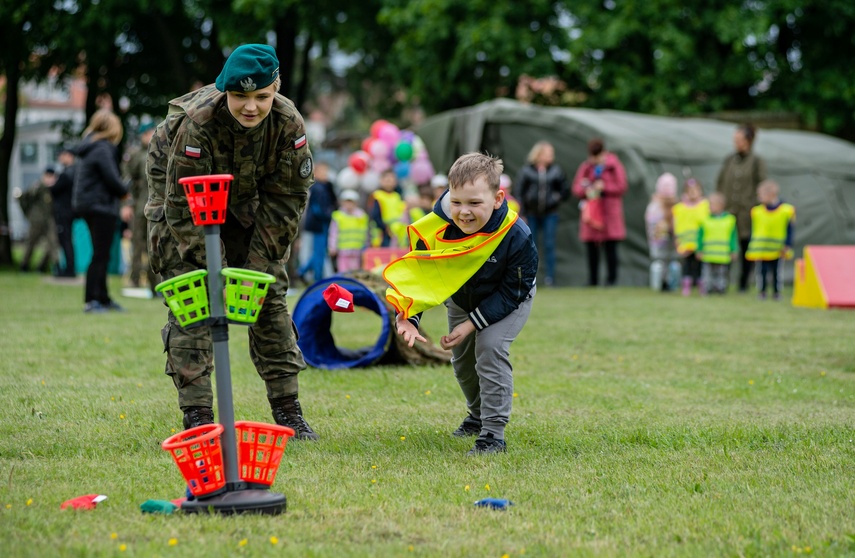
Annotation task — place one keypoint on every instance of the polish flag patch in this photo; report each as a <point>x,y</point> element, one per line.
<point>300,142</point>
<point>195,152</point>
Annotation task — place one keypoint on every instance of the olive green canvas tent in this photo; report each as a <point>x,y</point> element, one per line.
<point>816,172</point>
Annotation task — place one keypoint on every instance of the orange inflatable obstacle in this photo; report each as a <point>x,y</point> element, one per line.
<point>825,277</point>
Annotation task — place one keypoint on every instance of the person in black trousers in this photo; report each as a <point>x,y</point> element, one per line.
<point>98,187</point>
<point>63,216</point>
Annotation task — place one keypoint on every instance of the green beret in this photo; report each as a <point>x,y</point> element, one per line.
<point>249,67</point>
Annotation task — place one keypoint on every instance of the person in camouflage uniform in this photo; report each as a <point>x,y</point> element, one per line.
<point>240,125</point>
<point>38,209</point>
<point>134,212</point>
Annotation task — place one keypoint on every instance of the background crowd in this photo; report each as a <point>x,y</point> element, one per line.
<point>357,218</point>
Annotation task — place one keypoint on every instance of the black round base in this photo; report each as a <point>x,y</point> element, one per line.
<point>239,501</point>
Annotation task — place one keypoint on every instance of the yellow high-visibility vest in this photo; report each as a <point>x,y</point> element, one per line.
<point>392,206</point>
<point>423,279</point>
<point>687,220</point>
<point>352,230</point>
<point>416,213</point>
<point>718,233</point>
<point>769,231</point>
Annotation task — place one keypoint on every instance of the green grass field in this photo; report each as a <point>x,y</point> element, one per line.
<point>644,425</point>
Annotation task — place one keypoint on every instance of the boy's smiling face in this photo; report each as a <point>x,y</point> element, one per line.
<point>473,203</point>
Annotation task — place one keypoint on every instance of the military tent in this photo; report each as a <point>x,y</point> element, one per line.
<point>816,172</point>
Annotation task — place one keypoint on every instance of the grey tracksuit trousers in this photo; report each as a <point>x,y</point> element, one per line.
<point>483,369</point>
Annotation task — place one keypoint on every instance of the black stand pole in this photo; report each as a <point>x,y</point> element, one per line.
<point>238,497</point>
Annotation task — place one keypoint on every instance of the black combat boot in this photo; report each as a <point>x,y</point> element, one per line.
<point>287,412</point>
<point>197,416</point>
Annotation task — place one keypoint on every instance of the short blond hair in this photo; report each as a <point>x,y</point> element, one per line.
<point>769,184</point>
<point>536,150</point>
<point>467,168</point>
<point>104,124</point>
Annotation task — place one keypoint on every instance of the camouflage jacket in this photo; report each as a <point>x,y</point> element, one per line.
<point>134,171</point>
<point>271,164</point>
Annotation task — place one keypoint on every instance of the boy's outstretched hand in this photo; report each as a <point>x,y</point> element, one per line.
<point>408,331</point>
<point>458,334</point>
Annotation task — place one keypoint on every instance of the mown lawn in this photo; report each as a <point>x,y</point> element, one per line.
<point>644,425</point>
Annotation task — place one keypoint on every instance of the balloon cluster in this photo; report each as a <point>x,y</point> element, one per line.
<point>387,147</point>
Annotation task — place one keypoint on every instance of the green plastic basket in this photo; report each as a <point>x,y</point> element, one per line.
<point>245,291</point>
<point>187,296</point>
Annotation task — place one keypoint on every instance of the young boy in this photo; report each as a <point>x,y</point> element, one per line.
<point>717,245</point>
<point>387,209</point>
<point>348,233</point>
<point>478,257</point>
<point>771,236</point>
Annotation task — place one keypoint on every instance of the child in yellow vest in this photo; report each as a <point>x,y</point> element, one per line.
<point>718,243</point>
<point>478,257</point>
<point>348,234</point>
<point>771,236</point>
<point>387,209</point>
<point>688,214</point>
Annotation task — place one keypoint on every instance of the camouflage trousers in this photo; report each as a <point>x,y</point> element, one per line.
<point>272,339</point>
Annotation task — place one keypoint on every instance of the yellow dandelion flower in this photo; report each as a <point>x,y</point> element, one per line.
<point>43,383</point>
<point>808,549</point>
<point>373,481</point>
<point>243,542</point>
<point>30,502</point>
<point>487,487</point>
<point>112,399</point>
<point>374,466</point>
<point>8,506</point>
<point>466,488</point>
<point>139,385</point>
<point>173,541</point>
<point>522,551</point>
<point>575,357</point>
<point>516,394</point>
<point>427,392</point>
<point>750,382</point>
<point>411,548</point>
<point>114,536</point>
<point>173,430</point>
<point>122,416</point>
<point>822,373</point>
<point>403,438</point>
<point>347,396</point>
<point>274,540</point>
<point>123,547</point>
<point>506,556</point>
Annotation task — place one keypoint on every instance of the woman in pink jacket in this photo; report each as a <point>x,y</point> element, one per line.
<point>600,184</point>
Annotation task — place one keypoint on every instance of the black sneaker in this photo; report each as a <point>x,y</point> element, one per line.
<point>94,307</point>
<point>287,412</point>
<point>197,416</point>
<point>470,426</point>
<point>486,445</point>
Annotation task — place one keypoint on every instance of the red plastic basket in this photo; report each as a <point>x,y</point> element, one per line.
<point>208,197</point>
<point>260,447</point>
<point>199,457</point>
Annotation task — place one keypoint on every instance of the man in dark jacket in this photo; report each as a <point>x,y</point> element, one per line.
<point>63,216</point>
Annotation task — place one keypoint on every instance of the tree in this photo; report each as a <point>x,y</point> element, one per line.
<point>449,54</point>
<point>26,30</point>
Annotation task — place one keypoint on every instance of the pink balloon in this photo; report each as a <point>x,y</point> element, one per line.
<point>379,149</point>
<point>381,165</point>
<point>390,134</point>
<point>376,126</point>
<point>421,171</point>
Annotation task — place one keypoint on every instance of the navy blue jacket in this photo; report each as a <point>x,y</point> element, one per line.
<point>505,279</point>
<point>322,203</point>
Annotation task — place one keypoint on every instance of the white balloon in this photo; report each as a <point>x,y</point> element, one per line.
<point>347,179</point>
<point>369,181</point>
